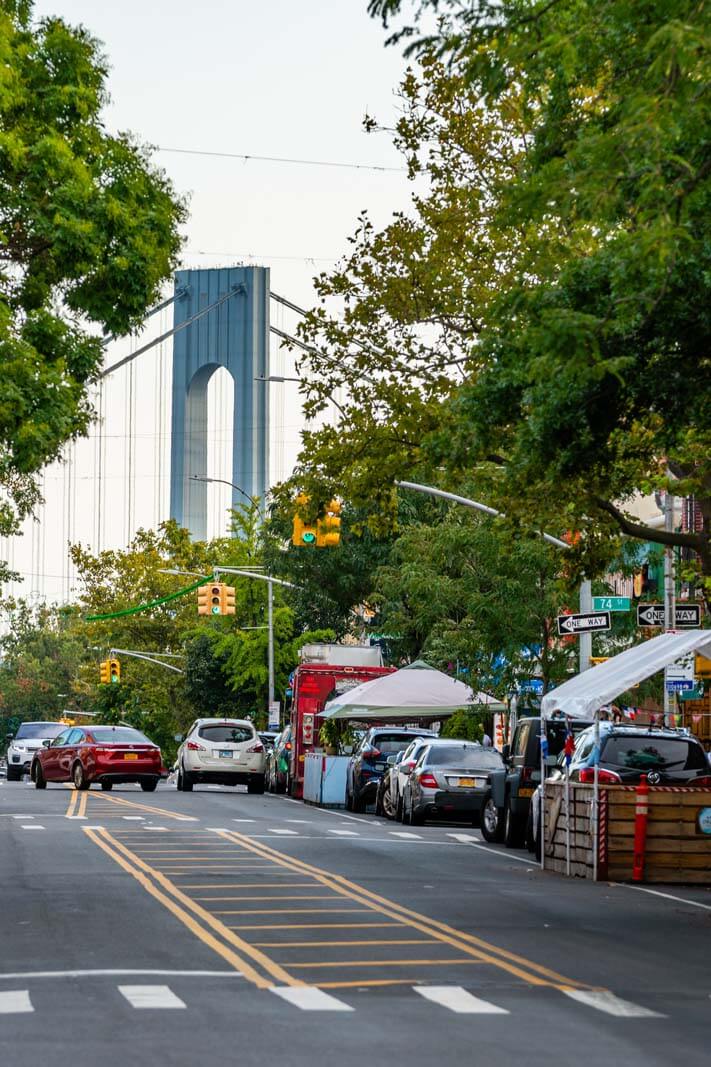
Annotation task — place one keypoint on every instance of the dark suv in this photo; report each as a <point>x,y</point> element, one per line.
<point>667,757</point>
<point>512,792</point>
<point>370,761</point>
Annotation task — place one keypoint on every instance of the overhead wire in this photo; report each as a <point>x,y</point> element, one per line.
<point>250,158</point>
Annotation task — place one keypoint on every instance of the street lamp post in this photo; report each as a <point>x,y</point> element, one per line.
<point>223,481</point>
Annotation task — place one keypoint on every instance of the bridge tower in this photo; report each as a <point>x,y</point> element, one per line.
<point>233,334</point>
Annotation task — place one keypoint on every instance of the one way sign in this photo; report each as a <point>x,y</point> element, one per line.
<point>684,615</point>
<point>582,624</point>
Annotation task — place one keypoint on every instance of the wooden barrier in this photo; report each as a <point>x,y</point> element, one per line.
<point>676,849</point>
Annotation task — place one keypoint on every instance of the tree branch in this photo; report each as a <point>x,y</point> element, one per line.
<point>649,533</point>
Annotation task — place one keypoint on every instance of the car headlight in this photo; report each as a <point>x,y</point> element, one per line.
<point>20,748</point>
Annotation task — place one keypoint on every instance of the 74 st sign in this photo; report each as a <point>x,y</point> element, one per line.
<point>684,615</point>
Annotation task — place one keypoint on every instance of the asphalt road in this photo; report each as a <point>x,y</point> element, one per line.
<point>185,928</point>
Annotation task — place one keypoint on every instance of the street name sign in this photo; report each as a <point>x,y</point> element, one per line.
<point>611,603</point>
<point>684,615</point>
<point>590,622</point>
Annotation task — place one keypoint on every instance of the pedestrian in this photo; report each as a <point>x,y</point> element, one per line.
<point>486,741</point>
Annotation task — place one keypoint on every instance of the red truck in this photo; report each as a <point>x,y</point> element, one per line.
<point>325,672</point>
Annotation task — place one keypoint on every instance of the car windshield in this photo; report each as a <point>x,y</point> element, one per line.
<point>118,735</point>
<point>389,744</point>
<point>221,733</point>
<point>647,753</point>
<point>30,730</point>
<point>485,759</point>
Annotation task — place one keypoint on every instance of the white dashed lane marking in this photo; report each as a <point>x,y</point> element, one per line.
<point>33,826</point>
<point>150,996</point>
<point>458,1000</point>
<point>15,1002</point>
<point>308,998</point>
<point>274,830</point>
<point>405,834</point>
<point>604,1000</point>
<point>344,833</point>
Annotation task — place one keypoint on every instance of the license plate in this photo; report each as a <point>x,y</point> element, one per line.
<point>525,792</point>
<point>466,781</point>
<point>225,754</point>
<point>130,755</point>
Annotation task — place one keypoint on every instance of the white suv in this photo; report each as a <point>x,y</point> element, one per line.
<point>224,752</point>
<point>24,744</point>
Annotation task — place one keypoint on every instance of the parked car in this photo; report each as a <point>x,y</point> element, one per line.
<point>450,780</point>
<point>106,754</point>
<point>388,801</point>
<point>268,737</point>
<point>507,815</point>
<point>667,757</point>
<point>277,763</point>
<point>370,761</point>
<point>222,752</point>
<point>24,744</point>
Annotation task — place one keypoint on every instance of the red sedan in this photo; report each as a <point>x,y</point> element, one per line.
<point>105,754</point>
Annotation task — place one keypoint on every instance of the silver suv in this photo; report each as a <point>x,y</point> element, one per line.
<point>221,751</point>
<point>24,744</point>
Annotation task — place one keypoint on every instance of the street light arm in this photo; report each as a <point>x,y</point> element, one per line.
<point>223,481</point>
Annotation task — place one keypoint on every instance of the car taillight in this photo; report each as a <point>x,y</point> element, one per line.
<point>256,748</point>
<point>704,780</point>
<point>526,774</point>
<point>587,775</point>
<point>429,780</point>
<point>287,746</point>
<point>193,746</point>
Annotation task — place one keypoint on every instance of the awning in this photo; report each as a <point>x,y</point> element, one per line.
<point>417,691</point>
<point>585,694</point>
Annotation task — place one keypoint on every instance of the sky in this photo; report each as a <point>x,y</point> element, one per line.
<point>291,79</point>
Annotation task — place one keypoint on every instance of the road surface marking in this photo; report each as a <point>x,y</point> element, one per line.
<point>305,822</point>
<point>244,820</point>
<point>308,998</point>
<point>604,1000</point>
<point>534,973</point>
<point>181,906</point>
<point>156,829</point>
<point>73,797</point>
<point>458,1000</point>
<point>116,972</point>
<point>405,834</point>
<point>312,926</point>
<point>344,833</point>
<point>332,944</point>
<point>465,838</point>
<point>146,807</point>
<point>272,830</point>
<point>325,811</point>
<point>33,826</point>
<point>668,896</point>
<point>23,816</point>
<point>15,1002</point>
<point>503,853</point>
<point>150,996</point>
<point>133,818</point>
<point>388,963</point>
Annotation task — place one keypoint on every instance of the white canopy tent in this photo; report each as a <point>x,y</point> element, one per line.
<point>584,695</point>
<point>417,691</point>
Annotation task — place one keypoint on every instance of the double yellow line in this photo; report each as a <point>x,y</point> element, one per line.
<point>76,808</point>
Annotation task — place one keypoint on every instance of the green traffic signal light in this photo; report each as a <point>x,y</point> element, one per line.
<point>308,537</point>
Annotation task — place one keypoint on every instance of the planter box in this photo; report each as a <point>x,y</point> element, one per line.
<point>325,780</point>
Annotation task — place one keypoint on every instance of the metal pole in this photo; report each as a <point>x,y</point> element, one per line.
<point>270,621</point>
<point>596,795</point>
<point>585,647</point>
<point>669,591</point>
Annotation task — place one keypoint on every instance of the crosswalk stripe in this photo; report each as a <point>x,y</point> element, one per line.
<point>404,833</point>
<point>604,1000</point>
<point>309,998</point>
<point>15,1002</point>
<point>344,833</point>
<point>244,820</point>
<point>150,996</point>
<point>33,826</point>
<point>464,837</point>
<point>458,1000</point>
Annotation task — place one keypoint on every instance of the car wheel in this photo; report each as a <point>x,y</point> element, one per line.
<point>417,818</point>
<point>513,834</point>
<point>387,805</point>
<point>107,786</point>
<point>37,776</point>
<point>187,780</point>
<point>357,804</point>
<point>14,774</point>
<point>78,777</point>
<point>256,784</point>
<point>492,821</point>
<point>149,787</point>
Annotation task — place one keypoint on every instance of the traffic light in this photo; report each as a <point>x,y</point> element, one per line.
<point>304,534</point>
<point>215,598</point>
<point>227,600</point>
<point>329,527</point>
<point>203,600</point>
<point>598,659</point>
<point>105,672</point>
<point>114,671</point>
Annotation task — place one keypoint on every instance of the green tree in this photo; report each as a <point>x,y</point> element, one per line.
<point>557,261</point>
<point>89,232</point>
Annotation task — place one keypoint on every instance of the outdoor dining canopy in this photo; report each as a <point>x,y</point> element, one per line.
<point>417,691</point>
<point>586,693</point>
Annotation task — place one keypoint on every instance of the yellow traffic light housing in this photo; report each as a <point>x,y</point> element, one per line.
<point>203,600</point>
<point>303,534</point>
<point>114,671</point>
<point>329,527</point>
<point>105,672</point>
<point>215,598</point>
<point>227,600</point>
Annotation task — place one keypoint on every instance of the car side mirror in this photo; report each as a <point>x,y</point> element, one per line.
<point>9,737</point>
<point>392,760</point>
<point>506,753</point>
<point>46,743</point>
